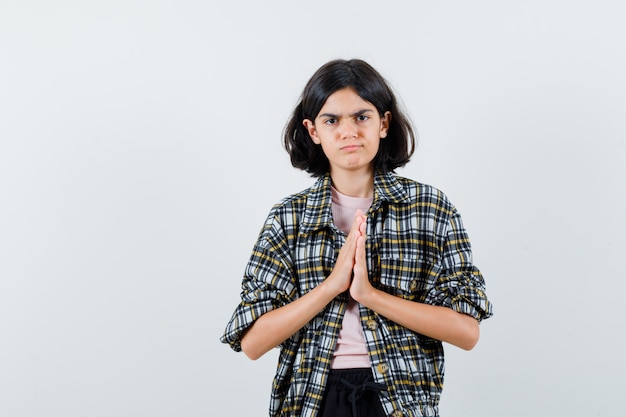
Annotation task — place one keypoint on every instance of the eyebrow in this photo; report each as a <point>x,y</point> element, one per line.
<point>335,116</point>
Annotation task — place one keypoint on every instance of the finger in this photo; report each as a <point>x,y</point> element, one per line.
<point>360,248</point>
<point>363,225</point>
<point>360,263</point>
<point>356,224</point>
<point>361,220</point>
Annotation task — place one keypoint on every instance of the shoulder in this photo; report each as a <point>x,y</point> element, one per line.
<point>424,195</point>
<point>285,217</point>
<point>292,204</point>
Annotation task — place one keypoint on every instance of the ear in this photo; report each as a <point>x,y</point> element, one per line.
<point>310,127</point>
<point>385,121</point>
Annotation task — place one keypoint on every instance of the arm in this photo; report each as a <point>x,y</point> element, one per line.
<point>437,322</point>
<point>276,326</point>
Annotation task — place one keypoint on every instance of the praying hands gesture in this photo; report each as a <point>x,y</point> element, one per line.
<point>350,273</point>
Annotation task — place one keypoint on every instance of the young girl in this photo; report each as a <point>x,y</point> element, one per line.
<point>361,277</point>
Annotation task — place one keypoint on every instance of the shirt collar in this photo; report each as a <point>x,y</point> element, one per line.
<point>318,213</point>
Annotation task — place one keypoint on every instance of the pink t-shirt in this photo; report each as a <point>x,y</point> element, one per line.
<point>351,350</point>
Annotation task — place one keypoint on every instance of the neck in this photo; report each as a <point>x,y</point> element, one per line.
<point>354,184</point>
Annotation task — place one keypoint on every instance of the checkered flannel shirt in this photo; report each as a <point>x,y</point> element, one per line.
<point>417,249</point>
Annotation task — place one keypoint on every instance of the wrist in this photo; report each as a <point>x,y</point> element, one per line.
<point>328,289</point>
<point>366,297</point>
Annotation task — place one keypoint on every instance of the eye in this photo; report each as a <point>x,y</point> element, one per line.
<point>362,117</point>
<point>330,121</point>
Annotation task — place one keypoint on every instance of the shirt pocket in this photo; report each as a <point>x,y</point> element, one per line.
<point>409,278</point>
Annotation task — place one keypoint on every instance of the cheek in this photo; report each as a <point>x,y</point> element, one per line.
<point>325,134</point>
<point>326,148</point>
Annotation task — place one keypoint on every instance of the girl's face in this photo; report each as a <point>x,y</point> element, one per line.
<point>349,130</point>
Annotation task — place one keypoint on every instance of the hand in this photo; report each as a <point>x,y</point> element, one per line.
<point>341,277</point>
<point>361,286</point>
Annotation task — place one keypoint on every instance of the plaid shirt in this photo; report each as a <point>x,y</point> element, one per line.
<point>417,249</point>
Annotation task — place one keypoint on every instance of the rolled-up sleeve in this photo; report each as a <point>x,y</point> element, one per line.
<point>460,285</point>
<point>267,284</point>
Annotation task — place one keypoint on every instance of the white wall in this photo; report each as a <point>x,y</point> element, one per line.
<point>140,152</point>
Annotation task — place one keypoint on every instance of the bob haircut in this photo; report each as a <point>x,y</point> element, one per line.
<point>394,151</point>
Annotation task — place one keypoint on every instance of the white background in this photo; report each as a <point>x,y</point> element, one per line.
<point>140,150</point>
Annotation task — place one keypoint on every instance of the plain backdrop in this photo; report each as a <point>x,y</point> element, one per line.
<point>140,151</point>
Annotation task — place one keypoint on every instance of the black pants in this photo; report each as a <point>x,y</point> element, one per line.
<point>352,393</point>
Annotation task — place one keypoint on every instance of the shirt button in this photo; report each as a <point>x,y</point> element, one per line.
<point>413,285</point>
<point>382,368</point>
<point>372,325</point>
<point>397,413</point>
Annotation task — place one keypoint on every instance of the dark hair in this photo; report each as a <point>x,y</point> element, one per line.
<point>395,151</point>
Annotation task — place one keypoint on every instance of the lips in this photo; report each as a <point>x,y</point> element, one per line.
<point>350,148</point>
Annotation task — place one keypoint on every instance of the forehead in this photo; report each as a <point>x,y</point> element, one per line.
<point>345,100</point>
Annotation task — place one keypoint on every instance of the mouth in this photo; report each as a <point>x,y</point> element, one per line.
<point>350,148</point>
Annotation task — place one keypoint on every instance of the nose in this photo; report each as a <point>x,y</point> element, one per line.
<point>348,129</point>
